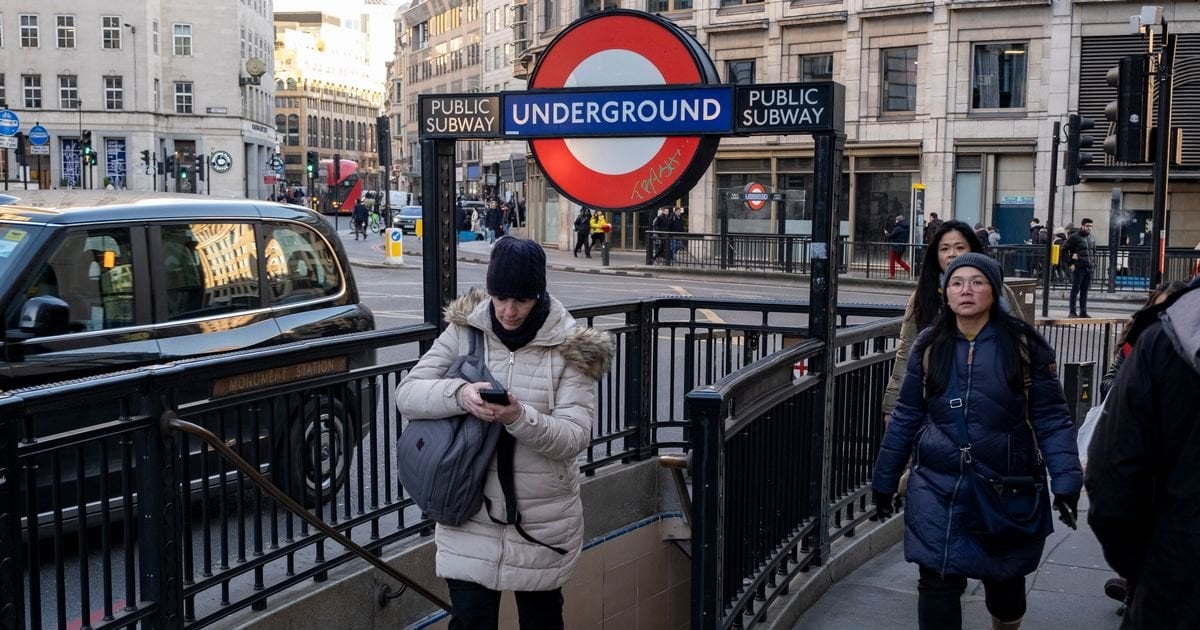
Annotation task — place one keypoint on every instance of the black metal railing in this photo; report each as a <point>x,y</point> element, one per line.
<point>775,483</point>
<point>117,520</point>
<point>1124,268</point>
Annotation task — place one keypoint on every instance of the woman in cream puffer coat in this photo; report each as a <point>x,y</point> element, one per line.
<point>553,378</point>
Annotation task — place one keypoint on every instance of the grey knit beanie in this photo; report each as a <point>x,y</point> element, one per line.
<point>982,262</point>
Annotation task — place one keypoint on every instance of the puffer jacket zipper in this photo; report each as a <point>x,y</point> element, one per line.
<point>504,534</point>
<point>963,459</point>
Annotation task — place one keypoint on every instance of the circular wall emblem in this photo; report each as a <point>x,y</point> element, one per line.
<point>221,161</point>
<point>623,48</point>
<point>755,196</point>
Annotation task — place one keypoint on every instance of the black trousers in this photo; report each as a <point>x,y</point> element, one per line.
<point>939,599</point>
<point>1081,281</point>
<point>582,241</point>
<point>478,608</point>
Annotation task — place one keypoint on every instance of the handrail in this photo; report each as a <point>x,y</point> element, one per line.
<point>173,422</point>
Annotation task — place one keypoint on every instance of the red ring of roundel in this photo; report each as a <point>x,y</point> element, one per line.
<point>657,44</point>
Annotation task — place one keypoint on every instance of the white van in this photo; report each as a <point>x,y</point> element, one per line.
<point>400,198</point>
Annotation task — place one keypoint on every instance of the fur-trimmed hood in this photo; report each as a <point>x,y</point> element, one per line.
<point>589,350</point>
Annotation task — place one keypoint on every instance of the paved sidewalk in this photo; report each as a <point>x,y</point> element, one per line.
<point>1065,593</point>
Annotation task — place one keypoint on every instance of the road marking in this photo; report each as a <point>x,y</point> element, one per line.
<point>707,313</point>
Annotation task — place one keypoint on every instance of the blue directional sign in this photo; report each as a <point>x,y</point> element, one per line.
<point>9,123</point>
<point>631,112</point>
<point>38,135</point>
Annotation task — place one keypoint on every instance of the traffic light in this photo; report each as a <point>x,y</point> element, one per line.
<point>85,147</point>
<point>313,160</point>
<point>21,149</point>
<point>172,165</point>
<point>1077,140</point>
<point>200,167</point>
<point>383,140</point>
<point>145,157</point>
<point>1130,110</point>
<point>183,163</point>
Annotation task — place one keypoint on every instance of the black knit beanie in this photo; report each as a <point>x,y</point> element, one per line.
<point>517,269</point>
<point>982,262</point>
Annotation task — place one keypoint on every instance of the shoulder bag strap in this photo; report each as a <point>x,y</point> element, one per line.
<point>1026,386</point>
<point>958,405</point>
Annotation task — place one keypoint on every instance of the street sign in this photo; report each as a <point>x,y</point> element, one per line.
<point>460,116</point>
<point>790,108</point>
<point>276,164</point>
<point>39,149</point>
<point>684,111</point>
<point>38,135</point>
<point>626,49</point>
<point>9,123</point>
<point>8,142</point>
<point>269,180</point>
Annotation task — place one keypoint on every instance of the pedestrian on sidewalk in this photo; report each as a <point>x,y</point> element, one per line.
<point>582,232</point>
<point>1080,251</point>
<point>600,228</point>
<point>931,227</point>
<point>898,237</point>
<point>662,225</point>
<point>951,240</point>
<point>1143,476</point>
<point>985,373</point>
<point>528,535</point>
<point>359,218</point>
<point>492,221</point>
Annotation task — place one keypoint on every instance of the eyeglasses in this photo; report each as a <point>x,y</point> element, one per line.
<point>958,286</point>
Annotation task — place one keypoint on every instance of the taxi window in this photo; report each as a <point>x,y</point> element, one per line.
<point>210,269</point>
<point>15,248</point>
<point>92,271</point>
<point>300,264</point>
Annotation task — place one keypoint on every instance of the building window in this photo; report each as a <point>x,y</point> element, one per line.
<point>900,79</point>
<point>662,6</point>
<point>998,76</point>
<point>154,35</point>
<point>65,30</point>
<point>110,32</point>
<point>33,90</point>
<point>312,131</point>
<point>68,91</point>
<point>29,31</point>
<point>183,97</point>
<point>157,94</point>
<point>183,40</point>
<point>739,72</point>
<point>549,15</point>
<point>293,130</point>
<point>816,68</point>
<point>1,31</point>
<point>587,7</point>
<point>733,3</point>
<point>3,91</point>
<point>114,93</point>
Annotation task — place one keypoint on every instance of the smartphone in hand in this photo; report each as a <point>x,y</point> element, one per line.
<point>496,396</point>
<point>1065,515</point>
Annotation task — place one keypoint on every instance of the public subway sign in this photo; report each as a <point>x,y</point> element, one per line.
<point>790,108</point>
<point>625,110</point>
<point>459,116</point>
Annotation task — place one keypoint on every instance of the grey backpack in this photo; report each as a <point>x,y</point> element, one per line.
<point>442,463</point>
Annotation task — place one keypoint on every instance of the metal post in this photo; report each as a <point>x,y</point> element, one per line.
<point>164,168</point>
<point>822,318</point>
<point>12,596</point>
<point>639,379</point>
<point>1046,268</point>
<point>439,245</point>
<point>160,532</point>
<point>706,410</point>
<point>1162,159</point>
<point>1114,235</point>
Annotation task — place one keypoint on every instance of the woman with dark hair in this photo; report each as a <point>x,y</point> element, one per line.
<point>1138,322</point>
<point>949,241</point>
<point>981,399</point>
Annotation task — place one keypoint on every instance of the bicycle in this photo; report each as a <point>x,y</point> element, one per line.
<point>374,222</point>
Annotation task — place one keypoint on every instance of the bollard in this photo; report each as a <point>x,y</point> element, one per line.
<point>604,252</point>
<point>1078,386</point>
<point>394,247</point>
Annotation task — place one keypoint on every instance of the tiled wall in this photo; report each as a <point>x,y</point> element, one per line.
<point>630,579</point>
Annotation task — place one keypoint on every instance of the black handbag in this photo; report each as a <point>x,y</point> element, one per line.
<point>1001,510</point>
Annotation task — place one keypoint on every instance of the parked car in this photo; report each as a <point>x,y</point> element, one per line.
<point>87,291</point>
<point>406,219</point>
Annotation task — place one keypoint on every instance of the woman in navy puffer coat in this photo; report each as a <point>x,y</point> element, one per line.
<point>976,340</point>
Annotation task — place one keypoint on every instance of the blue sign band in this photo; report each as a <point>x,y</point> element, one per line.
<point>651,112</point>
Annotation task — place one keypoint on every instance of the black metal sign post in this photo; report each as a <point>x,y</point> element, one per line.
<point>822,315</point>
<point>439,240</point>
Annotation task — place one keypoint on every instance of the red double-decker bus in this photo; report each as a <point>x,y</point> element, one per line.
<point>342,189</point>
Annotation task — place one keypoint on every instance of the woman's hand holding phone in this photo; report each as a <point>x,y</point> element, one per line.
<point>482,401</point>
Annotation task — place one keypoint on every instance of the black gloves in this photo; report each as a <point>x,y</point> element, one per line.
<point>883,505</point>
<point>1068,508</point>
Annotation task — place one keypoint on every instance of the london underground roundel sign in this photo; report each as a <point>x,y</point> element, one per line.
<point>623,48</point>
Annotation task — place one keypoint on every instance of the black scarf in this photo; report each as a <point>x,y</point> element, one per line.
<point>516,339</point>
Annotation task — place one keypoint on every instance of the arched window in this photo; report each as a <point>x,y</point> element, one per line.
<point>279,85</point>
<point>281,124</point>
<point>291,84</point>
<point>325,132</point>
<point>337,134</point>
<point>293,130</point>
